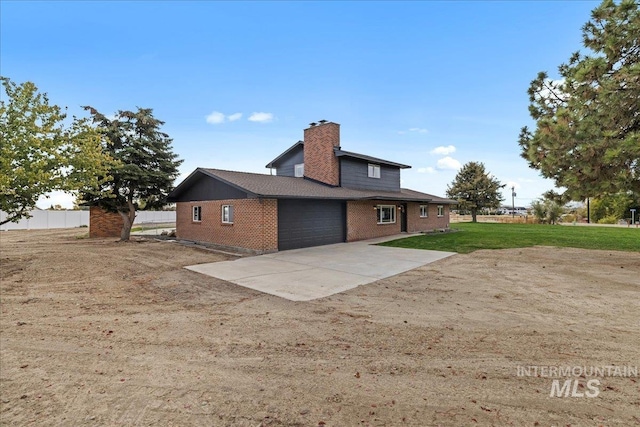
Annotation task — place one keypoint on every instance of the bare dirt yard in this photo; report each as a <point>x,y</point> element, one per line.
<point>96,332</point>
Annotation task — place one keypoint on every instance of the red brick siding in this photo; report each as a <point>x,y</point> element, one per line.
<point>255,224</point>
<point>103,223</point>
<point>415,223</point>
<point>320,162</point>
<point>362,222</point>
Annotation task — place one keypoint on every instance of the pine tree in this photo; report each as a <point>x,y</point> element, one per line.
<point>474,189</point>
<point>587,135</point>
<point>146,169</point>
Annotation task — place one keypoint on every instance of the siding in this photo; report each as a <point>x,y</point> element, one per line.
<point>207,188</point>
<point>286,166</point>
<point>355,174</point>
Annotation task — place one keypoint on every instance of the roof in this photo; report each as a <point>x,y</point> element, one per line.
<point>341,153</point>
<point>258,185</point>
<point>273,162</point>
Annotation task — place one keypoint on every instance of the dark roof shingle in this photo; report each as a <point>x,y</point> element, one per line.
<point>262,185</point>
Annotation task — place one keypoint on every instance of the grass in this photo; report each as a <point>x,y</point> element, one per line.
<point>472,237</point>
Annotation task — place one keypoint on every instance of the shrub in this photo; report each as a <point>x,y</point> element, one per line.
<point>609,219</point>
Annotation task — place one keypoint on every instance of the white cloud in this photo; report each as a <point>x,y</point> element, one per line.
<point>56,198</point>
<point>448,163</point>
<point>512,184</point>
<point>233,117</point>
<point>215,118</point>
<point>428,169</point>
<point>444,151</point>
<point>552,92</point>
<point>419,130</point>
<point>261,117</point>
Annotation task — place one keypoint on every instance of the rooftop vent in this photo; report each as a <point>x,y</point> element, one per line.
<point>322,121</point>
<point>312,124</point>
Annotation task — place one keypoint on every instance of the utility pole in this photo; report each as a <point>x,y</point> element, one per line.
<point>588,212</point>
<point>513,201</point>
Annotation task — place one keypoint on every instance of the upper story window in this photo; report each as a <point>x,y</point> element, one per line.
<point>386,214</point>
<point>299,170</point>
<point>374,171</point>
<point>197,213</point>
<point>424,211</point>
<point>440,210</point>
<point>227,214</point>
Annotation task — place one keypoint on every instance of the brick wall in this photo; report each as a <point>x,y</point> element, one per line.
<point>415,223</point>
<point>255,224</point>
<point>362,222</point>
<point>320,162</point>
<point>103,223</point>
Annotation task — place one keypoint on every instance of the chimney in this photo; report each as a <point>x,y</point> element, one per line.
<point>320,161</point>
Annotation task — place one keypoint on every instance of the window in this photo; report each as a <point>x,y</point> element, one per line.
<point>440,210</point>
<point>424,211</point>
<point>299,170</point>
<point>386,214</point>
<point>227,214</point>
<point>197,213</point>
<point>374,171</point>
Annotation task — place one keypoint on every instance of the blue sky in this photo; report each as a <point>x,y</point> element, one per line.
<point>430,84</point>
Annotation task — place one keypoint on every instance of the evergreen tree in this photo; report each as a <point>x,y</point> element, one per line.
<point>474,189</point>
<point>146,169</point>
<point>587,135</point>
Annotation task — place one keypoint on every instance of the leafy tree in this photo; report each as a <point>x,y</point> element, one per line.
<point>147,165</point>
<point>40,153</point>
<point>587,135</point>
<point>612,207</point>
<point>474,189</point>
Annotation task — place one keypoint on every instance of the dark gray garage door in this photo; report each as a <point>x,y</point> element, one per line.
<point>304,223</point>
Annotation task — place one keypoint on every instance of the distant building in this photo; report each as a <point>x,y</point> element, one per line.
<point>509,210</point>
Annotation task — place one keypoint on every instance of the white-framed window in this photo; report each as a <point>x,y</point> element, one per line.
<point>227,214</point>
<point>299,170</point>
<point>197,213</point>
<point>386,214</point>
<point>440,210</point>
<point>374,171</point>
<point>424,211</point>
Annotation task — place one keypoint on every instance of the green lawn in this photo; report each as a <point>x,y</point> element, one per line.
<point>471,237</point>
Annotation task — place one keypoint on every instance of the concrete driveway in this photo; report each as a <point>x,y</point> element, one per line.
<point>311,273</point>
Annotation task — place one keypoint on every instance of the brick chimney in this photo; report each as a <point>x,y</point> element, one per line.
<point>320,162</point>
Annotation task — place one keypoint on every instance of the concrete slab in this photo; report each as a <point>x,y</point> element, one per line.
<point>321,271</point>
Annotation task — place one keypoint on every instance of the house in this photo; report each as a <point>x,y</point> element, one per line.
<point>320,194</point>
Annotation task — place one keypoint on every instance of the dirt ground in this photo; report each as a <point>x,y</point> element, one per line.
<point>96,332</point>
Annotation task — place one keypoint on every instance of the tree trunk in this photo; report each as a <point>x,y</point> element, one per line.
<point>474,215</point>
<point>128,218</point>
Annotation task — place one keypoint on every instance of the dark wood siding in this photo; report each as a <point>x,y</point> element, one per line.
<point>304,223</point>
<point>206,188</point>
<point>355,174</point>
<point>286,165</point>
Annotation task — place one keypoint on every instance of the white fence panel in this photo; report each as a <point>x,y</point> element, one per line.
<point>48,219</point>
<point>71,219</point>
<point>155,216</point>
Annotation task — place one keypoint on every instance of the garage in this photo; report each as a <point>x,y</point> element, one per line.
<point>304,223</point>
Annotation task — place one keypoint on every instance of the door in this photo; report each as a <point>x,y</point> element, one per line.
<point>403,218</point>
<point>304,223</point>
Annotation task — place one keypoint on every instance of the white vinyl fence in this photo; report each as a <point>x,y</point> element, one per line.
<point>72,219</point>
